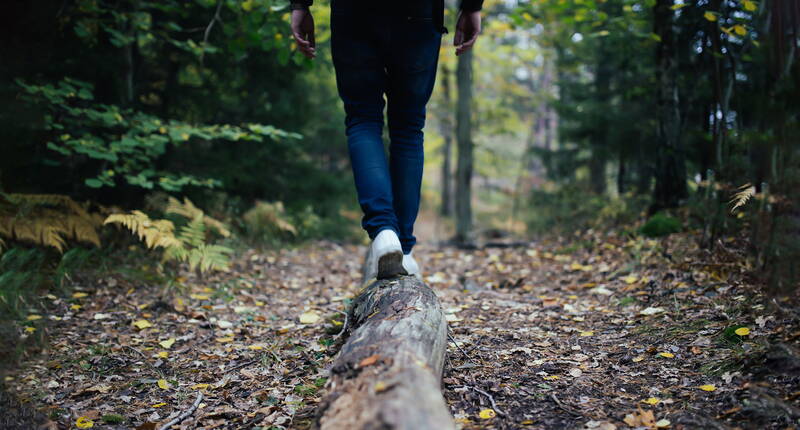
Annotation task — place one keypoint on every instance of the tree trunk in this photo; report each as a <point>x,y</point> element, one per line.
<point>387,375</point>
<point>447,149</point>
<point>465,149</point>
<point>670,174</point>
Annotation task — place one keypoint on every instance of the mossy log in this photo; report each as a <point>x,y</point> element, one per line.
<point>388,373</point>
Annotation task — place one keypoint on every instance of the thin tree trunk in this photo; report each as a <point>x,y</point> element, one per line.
<point>465,149</point>
<point>447,150</point>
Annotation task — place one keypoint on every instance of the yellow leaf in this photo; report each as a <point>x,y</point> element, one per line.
<point>158,405</point>
<point>678,6</point>
<point>739,29</point>
<point>742,331</point>
<point>30,329</point>
<point>84,423</point>
<point>247,5</point>
<point>630,279</point>
<point>185,136</point>
<point>749,5</point>
<point>309,317</point>
<point>651,401</point>
<point>142,324</point>
<point>638,359</point>
<point>711,16</point>
<point>663,423</point>
<point>162,130</point>
<point>550,377</point>
<point>167,344</point>
<point>199,296</point>
<point>75,307</point>
<point>199,386</point>
<point>707,387</point>
<point>255,347</point>
<point>163,354</point>
<point>587,333</point>
<point>225,339</point>
<point>163,384</point>
<point>487,414</point>
<point>666,354</point>
<point>34,317</point>
<point>79,295</point>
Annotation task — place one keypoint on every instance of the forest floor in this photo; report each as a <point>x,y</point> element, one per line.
<point>600,331</point>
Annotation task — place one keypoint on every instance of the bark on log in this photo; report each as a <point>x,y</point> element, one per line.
<point>388,373</point>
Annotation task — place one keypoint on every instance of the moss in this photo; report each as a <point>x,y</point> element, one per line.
<point>661,225</point>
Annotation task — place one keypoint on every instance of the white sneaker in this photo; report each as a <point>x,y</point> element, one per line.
<point>384,257</point>
<point>411,266</point>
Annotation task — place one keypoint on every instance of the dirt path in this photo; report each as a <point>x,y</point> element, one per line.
<point>596,333</point>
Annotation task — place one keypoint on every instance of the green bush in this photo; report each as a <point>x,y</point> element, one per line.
<point>660,225</point>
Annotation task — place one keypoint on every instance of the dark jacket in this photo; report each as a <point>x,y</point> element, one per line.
<point>436,7</point>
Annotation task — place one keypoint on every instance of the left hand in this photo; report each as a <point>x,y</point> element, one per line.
<point>303,32</point>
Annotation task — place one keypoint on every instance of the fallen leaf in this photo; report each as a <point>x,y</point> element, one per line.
<point>707,387</point>
<point>34,317</point>
<point>167,344</point>
<point>630,279</point>
<point>487,414</point>
<point>587,333</point>
<point>158,405</point>
<point>309,317</point>
<point>651,311</point>
<point>79,295</point>
<point>226,339</point>
<point>651,401</point>
<point>663,423</point>
<point>163,354</point>
<point>163,384</point>
<point>199,386</point>
<point>742,331</point>
<point>142,324</point>
<point>369,361</point>
<point>84,423</point>
<point>666,354</point>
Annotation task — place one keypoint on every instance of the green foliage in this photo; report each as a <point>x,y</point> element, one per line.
<point>660,225</point>
<point>190,245</point>
<point>569,208</point>
<point>123,145</point>
<point>113,419</point>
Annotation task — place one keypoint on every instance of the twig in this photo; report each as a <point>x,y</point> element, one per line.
<point>491,399</point>
<point>561,405</point>
<point>185,414</point>
<point>208,29</point>
<point>239,366</point>
<point>458,346</point>
<point>344,326</point>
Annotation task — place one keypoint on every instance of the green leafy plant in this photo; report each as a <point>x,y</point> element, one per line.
<point>189,245</point>
<point>122,145</point>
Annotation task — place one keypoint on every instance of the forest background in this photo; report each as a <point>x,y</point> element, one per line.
<point>651,116</point>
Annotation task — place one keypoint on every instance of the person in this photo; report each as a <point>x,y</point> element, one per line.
<point>386,48</point>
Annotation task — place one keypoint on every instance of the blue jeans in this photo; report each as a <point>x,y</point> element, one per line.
<point>393,54</point>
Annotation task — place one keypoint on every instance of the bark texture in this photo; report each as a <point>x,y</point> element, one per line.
<point>388,373</point>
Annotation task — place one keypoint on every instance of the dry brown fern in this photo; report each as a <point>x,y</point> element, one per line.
<point>47,220</point>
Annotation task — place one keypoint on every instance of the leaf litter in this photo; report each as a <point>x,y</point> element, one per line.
<point>599,331</point>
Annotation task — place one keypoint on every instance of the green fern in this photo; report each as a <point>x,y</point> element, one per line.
<point>189,245</point>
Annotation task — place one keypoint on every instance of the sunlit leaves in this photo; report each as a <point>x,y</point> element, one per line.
<point>710,16</point>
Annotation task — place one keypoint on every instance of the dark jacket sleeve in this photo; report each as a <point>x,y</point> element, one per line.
<point>471,5</point>
<point>300,4</point>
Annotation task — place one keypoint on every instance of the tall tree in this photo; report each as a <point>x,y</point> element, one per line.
<point>465,149</point>
<point>670,186</point>
<point>446,128</point>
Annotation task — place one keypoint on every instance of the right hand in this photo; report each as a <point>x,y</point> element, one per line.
<point>303,32</point>
<point>468,26</point>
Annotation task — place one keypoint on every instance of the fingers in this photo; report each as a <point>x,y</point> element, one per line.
<point>458,39</point>
<point>466,46</point>
<point>305,47</point>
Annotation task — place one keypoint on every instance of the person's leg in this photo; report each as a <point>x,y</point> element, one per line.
<point>361,80</point>
<point>411,76</point>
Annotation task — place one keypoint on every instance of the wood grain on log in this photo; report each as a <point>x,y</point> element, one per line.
<point>388,373</point>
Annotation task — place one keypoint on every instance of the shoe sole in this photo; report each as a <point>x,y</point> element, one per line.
<point>391,265</point>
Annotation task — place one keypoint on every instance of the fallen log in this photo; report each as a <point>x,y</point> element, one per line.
<point>388,372</point>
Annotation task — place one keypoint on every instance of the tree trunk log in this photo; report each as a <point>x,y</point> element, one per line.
<point>388,373</point>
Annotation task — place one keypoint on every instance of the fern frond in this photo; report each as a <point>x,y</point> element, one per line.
<point>194,233</point>
<point>746,192</point>
<point>188,210</point>
<point>158,233</point>
<point>209,257</point>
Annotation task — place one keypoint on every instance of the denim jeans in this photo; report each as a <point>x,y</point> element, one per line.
<point>391,53</point>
